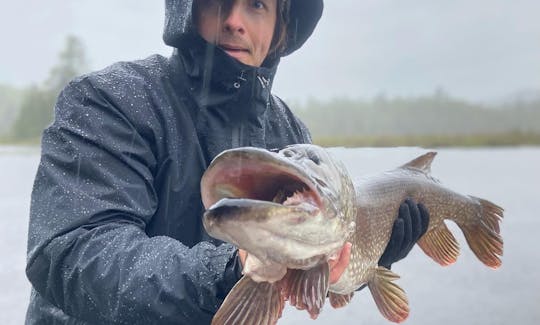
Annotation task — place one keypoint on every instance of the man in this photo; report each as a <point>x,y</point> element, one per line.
<point>115,230</point>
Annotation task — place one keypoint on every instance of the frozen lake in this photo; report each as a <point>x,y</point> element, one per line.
<point>464,293</point>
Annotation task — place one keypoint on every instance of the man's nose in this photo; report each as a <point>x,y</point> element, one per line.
<point>233,21</point>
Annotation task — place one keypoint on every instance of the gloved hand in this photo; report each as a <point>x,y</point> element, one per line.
<point>411,224</point>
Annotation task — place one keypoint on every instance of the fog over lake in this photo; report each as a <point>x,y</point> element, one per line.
<point>478,50</point>
<point>464,293</point>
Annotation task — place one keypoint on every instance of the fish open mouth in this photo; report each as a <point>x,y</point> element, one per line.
<point>270,205</point>
<point>259,175</point>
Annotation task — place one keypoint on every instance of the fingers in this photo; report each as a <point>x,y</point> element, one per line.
<point>338,267</point>
<point>416,220</point>
<point>411,223</point>
<point>405,212</point>
<point>394,245</point>
<point>242,254</point>
<point>424,215</point>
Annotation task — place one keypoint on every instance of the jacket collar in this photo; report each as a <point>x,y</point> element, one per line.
<point>219,77</point>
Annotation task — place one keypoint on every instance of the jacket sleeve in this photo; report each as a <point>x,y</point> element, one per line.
<point>88,253</point>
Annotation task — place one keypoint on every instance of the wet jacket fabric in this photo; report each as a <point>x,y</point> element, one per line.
<point>115,230</point>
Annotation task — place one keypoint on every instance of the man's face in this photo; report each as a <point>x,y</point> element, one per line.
<point>242,28</point>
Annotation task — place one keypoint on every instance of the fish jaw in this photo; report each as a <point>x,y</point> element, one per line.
<point>253,173</point>
<point>294,206</point>
<point>298,236</point>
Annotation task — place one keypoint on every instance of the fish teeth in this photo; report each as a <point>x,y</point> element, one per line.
<point>295,199</point>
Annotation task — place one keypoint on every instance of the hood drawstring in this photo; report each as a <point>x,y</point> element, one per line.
<point>265,82</point>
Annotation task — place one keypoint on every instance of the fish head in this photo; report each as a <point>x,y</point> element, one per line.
<point>294,206</point>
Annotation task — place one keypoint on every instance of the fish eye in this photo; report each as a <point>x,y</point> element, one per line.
<point>313,157</point>
<point>288,153</point>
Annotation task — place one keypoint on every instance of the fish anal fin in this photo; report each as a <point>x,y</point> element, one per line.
<point>422,162</point>
<point>483,235</point>
<point>439,244</point>
<point>307,289</point>
<point>338,300</point>
<point>251,302</point>
<point>389,297</point>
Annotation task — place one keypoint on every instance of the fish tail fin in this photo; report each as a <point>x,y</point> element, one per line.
<point>492,214</point>
<point>389,297</point>
<point>307,289</point>
<point>439,244</point>
<point>251,302</point>
<point>483,234</point>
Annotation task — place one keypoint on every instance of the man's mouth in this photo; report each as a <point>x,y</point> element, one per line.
<point>233,49</point>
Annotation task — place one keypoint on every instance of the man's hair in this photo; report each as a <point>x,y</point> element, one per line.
<point>279,40</point>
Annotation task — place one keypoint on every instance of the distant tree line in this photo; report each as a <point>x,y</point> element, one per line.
<point>437,119</point>
<point>25,113</point>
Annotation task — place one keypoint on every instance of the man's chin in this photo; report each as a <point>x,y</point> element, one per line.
<point>241,56</point>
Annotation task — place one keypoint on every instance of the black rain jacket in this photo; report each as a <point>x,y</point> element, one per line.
<point>115,232</point>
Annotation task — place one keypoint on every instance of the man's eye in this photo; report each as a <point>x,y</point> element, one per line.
<point>258,5</point>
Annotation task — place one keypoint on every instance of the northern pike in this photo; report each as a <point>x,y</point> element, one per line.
<point>292,210</point>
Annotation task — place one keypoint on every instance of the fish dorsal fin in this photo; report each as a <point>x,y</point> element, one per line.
<point>422,162</point>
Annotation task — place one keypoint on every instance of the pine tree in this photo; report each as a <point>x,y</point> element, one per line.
<point>37,107</point>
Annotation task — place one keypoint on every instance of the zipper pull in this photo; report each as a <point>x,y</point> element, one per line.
<point>264,81</point>
<point>241,78</point>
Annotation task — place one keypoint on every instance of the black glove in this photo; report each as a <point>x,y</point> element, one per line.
<point>411,223</point>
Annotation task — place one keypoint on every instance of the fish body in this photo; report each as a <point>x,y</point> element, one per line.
<point>292,210</point>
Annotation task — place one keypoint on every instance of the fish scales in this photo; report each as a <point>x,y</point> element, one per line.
<point>378,198</point>
<point>292,210</point>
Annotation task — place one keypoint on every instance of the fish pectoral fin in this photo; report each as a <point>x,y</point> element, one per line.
<point>307,289</point>
<point>251,302</point>
<point>389,297</point>
<point>440,245</point>
<point>337,300</point>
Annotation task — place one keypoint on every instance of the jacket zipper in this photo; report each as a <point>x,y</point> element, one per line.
<point>236,140</point>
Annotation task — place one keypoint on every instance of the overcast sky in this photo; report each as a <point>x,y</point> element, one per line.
<point>480,50</point>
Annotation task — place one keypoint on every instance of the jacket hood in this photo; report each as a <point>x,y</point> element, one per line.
<point>303,17</point>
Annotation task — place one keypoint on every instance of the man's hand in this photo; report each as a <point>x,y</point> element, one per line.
<point>411,223</point>
<point>242,254</point>
<point>338,265</point>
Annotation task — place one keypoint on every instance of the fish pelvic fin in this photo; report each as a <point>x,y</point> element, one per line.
<point>389,297</point>
<point>483,233</point>
<point>307,289</point>
<point>422,162</point>
<point>439,244</point>
<point>251,302</point>
<point>337,300</point>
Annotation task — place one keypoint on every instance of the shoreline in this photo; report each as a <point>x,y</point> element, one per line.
<point>507,139</point>
<point>513,139</point>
